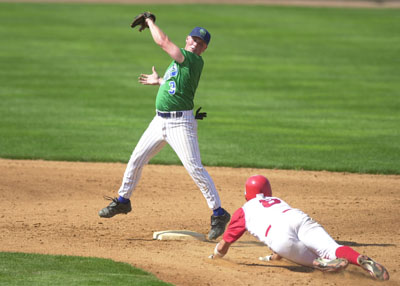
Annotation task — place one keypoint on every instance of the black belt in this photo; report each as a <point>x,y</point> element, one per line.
<point>174,114</point>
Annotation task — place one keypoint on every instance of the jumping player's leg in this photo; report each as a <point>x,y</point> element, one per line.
<point>148,146</point>
<point>182,137</point>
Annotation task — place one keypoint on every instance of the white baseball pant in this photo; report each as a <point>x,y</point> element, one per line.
<point>301,239</point>
<point>181,134</point>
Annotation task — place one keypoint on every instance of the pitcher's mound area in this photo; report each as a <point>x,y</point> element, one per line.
<point>178,235</point>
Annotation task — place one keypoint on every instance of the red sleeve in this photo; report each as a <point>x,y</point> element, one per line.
<point>236,227</point>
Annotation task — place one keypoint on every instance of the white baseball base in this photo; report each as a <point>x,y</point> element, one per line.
<point>178,235</point>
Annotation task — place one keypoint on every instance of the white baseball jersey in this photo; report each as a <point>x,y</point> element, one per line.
<point>289,232</point>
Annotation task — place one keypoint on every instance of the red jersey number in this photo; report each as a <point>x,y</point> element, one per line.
<point>267,203</point>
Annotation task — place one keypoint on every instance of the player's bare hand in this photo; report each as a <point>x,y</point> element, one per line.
<point>272,257</point>
<point>150,79</point>
<point>213,256</point>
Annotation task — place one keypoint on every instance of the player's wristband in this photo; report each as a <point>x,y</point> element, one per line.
<point>217,253</point>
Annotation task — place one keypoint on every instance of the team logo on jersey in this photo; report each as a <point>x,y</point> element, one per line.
<point>171,72</point>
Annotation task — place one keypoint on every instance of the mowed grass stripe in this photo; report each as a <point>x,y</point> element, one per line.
<point>284,87</point>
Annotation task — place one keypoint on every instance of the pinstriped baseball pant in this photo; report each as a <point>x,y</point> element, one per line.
<point>181,134</point>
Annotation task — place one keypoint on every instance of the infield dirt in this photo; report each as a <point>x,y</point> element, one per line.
<point>51,208</point>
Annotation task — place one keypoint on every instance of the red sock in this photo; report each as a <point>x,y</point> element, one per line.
<point>349,253</point>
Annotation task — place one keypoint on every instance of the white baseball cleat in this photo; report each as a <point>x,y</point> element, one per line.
<point>334,265</point>
<point>375,269</point>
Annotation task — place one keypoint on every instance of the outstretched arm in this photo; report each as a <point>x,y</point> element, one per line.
<point>235,230</point>
<point>161,39</point>
<point>221,249</point>
<point>272,257</point>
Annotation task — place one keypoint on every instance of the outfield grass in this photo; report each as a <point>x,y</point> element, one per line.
<point>33,269</point>
<point>284,87</point>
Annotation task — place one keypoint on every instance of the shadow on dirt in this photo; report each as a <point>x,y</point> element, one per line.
<point>352,243</point>
<point>293,268</point>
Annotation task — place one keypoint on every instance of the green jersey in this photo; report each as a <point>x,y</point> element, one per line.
<point>180,83</point>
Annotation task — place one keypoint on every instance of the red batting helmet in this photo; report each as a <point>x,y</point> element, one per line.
<point>257,185</point>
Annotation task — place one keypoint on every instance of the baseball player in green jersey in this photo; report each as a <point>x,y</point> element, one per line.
<point>174,123</point>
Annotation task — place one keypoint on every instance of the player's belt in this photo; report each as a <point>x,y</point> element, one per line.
<point>172,114</point>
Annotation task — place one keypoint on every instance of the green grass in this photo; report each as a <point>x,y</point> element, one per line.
<point>34,269</point>
<point>284,87</point>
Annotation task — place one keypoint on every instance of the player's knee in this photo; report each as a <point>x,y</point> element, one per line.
<point>194,167</point>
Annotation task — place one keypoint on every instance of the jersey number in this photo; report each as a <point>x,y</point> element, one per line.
<point>172,88</point>
<point>269,202</point>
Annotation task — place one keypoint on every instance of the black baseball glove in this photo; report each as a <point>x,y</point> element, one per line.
<point>140,20</point>
<point>200,115</point>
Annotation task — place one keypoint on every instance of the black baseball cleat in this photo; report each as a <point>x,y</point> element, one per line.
<point>218,224</point>
<point>114,208</point>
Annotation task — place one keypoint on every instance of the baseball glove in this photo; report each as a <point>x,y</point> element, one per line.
<point>200,115</point>
<point>140,20</point>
